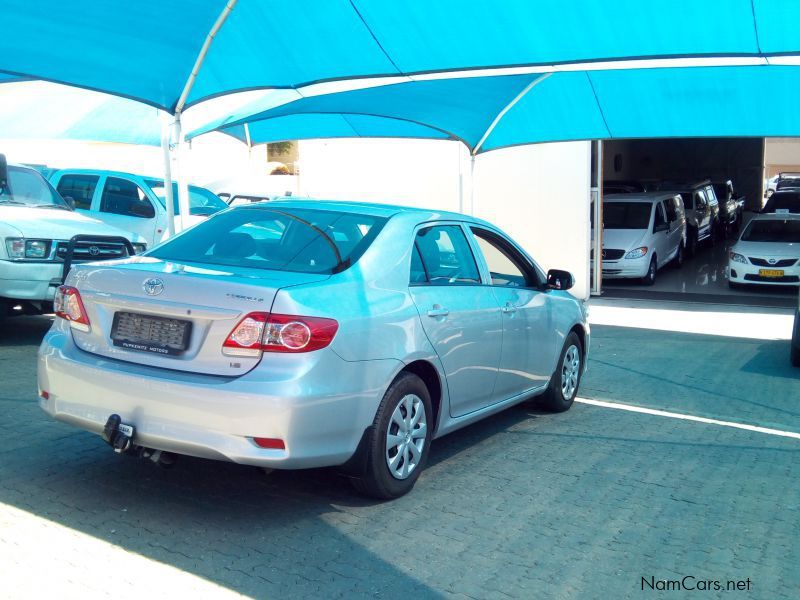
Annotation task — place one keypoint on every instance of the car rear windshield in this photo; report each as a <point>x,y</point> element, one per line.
<point>783,201</point>
<point>773,230</point>
<point>290,239</point>
<point>626,215</point>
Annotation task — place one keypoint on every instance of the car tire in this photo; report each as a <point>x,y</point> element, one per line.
<point>401,405</point>
<point>563,386</point>
<point>680,256</point>
<point>794,354</point>
<point>650,278</point>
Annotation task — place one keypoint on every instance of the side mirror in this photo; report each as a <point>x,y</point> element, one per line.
<point>70,201</point>
<point>3,173</point>
<point>559,280</point>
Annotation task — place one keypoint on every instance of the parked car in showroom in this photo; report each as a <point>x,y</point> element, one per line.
<point>131,202</point>
<point>768,251</point>
<point>783,201</point>
<point>702,212</point>
<point>295,334</point>
<point>641,234</point>
<point>38,230</point>
<point>731,206</point>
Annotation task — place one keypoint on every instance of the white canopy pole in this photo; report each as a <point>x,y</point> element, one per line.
<point>471,185</point>
<point>460,180</point>
<point>183,184</point>
<point>168,198</point>
<point>181,178</point>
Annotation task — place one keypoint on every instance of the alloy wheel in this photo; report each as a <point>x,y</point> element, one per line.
<point>570,371</point>
<point>405,436</point>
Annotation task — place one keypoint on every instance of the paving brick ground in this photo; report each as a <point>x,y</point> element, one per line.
<point>524,505</point>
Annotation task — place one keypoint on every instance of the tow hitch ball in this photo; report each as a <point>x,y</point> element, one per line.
<point>120,437</point>
<point>120,441</point>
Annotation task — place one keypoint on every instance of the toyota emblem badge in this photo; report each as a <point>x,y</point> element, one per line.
<point>153,286</point>
<point>94,250</point>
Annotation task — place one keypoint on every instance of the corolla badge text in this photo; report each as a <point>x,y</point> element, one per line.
<point>153,286</point>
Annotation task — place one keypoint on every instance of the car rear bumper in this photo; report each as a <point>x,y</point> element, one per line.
<point>319,407</point>
<point>750,274</point>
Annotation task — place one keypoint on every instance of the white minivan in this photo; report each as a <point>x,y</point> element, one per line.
<point>641,233</point>
<point>130,202</point>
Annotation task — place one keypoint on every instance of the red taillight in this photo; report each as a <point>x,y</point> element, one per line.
<point>68,305</point>
<point>262,332</point>
<point>270,443</point>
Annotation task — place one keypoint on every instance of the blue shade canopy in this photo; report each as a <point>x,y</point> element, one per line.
<point>147,49</point>
<point>303,127</point>
<point>487,113</point>
<point>40,110</point>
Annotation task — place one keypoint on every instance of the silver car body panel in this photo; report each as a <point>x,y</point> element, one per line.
<point>320,402</point>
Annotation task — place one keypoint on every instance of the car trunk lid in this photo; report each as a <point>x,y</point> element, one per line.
<point>173,315</point>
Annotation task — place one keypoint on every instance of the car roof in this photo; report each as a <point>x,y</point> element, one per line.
<point>639,197</point>
<point>101,172</point>
<point>677,186</point>
<point>366,208</point>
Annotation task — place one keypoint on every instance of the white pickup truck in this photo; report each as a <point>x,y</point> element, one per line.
<point>41,236</point>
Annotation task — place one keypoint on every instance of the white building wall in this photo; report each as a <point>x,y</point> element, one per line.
<point>539,194</point>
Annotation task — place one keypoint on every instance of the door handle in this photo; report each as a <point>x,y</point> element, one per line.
<point>509,308</point>
<point>438,311</point>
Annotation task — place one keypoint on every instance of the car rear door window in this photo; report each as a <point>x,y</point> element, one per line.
<point>78,187</point>
<point>446,257</point>
<point>506,265</point>
<point>123,197</point>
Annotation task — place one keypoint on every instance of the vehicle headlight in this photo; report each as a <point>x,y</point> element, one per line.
<point>22,248</point>
<point>736,257</point>
<point>637,252</point>
<point>139,248</point>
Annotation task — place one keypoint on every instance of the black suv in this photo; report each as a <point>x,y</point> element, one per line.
<point>702,211</point>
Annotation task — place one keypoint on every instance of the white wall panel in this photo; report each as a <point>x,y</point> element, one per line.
<point>539,194</point>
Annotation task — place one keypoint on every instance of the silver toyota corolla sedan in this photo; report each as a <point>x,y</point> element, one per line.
<point>296,334</point>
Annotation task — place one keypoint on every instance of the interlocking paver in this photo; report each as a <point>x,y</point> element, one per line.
<point>582,504</point>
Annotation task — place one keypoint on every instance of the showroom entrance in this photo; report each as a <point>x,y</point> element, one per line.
<point>681,164</point>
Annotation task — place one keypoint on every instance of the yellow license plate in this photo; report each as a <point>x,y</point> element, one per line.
<point>770,272</point>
